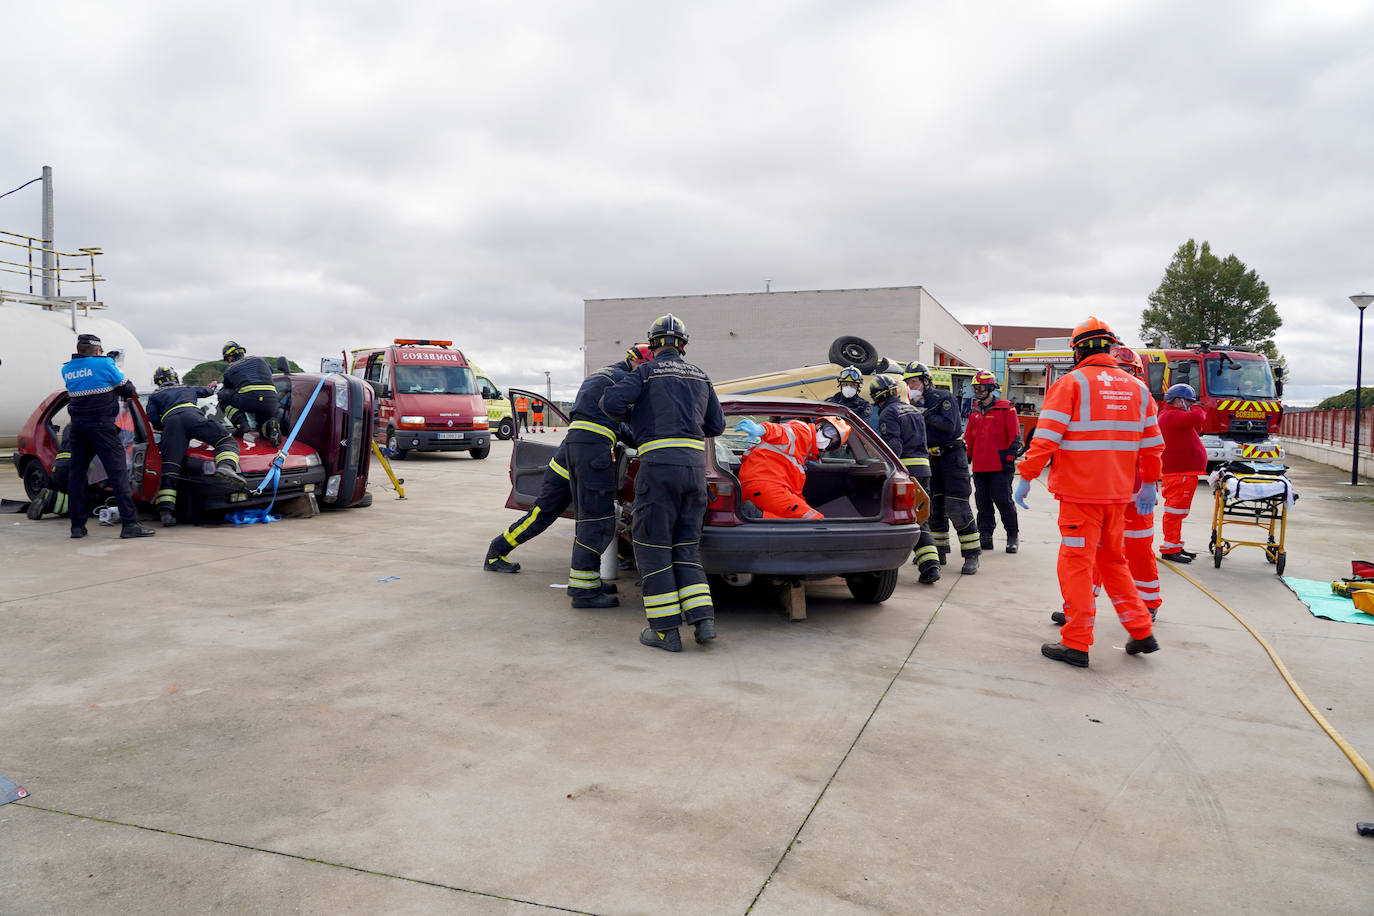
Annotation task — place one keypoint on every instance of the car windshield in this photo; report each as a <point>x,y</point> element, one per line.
<point>435,380</point>
<point>1242,378</point>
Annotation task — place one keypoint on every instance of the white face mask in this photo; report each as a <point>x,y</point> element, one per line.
<point>823,439</point>
<point>848,390</point>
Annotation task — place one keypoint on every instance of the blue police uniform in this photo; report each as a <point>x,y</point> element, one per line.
<point>248,389</point>
<point>555,495</point>
<point>951,483</point>
<point>590,443</point>
<point>866,411</point>
<point>94,388</point>
<point>174,411</point>
<point>902,428</point>
<point>671,408</point>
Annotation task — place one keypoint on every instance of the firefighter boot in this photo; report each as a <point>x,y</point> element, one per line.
<point>496,557</point>
<point>581,598</point>
<point>970,564</point>
<point>135,530</point>
<point>705,629</point>
<point>930,573</point>
<point>168,517</point>
<point>1061,653</point>
<point>39,504</point>
<point>669,640</point>
<point>271,429</point>
<point>226,471</point>
<point>944,552</point>
<point>1011,544</point>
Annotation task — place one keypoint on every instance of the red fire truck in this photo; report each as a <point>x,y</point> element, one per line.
<point>1237,386</point>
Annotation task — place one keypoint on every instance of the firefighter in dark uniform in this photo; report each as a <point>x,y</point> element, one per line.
<point>555,495</point>
<point>951,483</point>
<point>671,408</point>
<point>849,380</point>
<point>591,443</point>
<point>173,411</point>
<point>54,498</point>
<point>248,399</point>
<point>904,431</point>
<point>94,387</point>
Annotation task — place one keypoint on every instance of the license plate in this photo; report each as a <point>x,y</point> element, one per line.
<point>451,435</point>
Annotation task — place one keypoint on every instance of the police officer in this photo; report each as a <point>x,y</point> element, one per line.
<point>174,412</point>
<point>248,398</point>
<point>590,445</point>
<point>54,498</point>
<point>849,381</point>
<point>555,495</point>
<point>94,388</point>
<point>949,475</point>
<point>671,408</point>
<point>904,431</point>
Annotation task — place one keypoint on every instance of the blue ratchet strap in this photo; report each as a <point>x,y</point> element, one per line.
<point>274,473</point>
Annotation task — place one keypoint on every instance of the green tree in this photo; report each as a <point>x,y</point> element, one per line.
<point>1347,398</point>
<point>1206,298</point>
<point>213,371</point>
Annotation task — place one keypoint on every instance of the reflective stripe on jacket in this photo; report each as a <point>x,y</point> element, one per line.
<point>781,455</point>
<point>1096,422</point>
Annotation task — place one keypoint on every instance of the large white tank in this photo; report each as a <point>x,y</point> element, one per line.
<point>35,342</point>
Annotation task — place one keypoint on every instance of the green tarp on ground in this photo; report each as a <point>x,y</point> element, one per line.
<point>1319,600</point>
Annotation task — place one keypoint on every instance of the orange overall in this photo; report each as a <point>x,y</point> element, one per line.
<point>1099,424</point>
<point>774,471</point>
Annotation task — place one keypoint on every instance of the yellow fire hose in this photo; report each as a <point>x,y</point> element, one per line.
<point>1365,829</point>
<point>401,493</point>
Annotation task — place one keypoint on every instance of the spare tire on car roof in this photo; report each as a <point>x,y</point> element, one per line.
<point>856,352</point>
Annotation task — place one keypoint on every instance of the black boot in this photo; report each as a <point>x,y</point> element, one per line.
<point>167,516</point>
<point>227,471</point>
<point>135,530</point>
<point>500,564</point>
<point>1146,645</point>
<point>930,573</point>
<point>705,629</point>
<point>271,430</point>
<point>669,640</point>
<point>1176,557</point>
<point>78,531</point>
<point>985,543</point>
<point>1061,653</point>
<point>943,552</point>
<point>582,599</point>
<point>608,588</point>
<point>970,564</point>
<point>39,504</point>
<point>1011,544</point>
<point>1059,618</point>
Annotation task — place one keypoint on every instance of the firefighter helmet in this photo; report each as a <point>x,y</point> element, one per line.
<point>1129,361</point>
<point>984,378</point>
<point>914,369</point>
<point>231,351</point>
<point>882,387</point>
<point>164,376</point>
<point>850,374</point>
<point>668,331</point>
<point>839,430</point>
<point>1094,333</point>
<point>1180,391</point>
<point>639,353</point>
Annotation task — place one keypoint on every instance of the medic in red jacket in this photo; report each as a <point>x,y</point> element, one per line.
<point>993,437</point>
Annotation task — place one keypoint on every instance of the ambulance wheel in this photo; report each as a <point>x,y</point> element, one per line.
<point>872,587</point>
<point>480,453</point>
<point>1217,554</point>
<point>35,478</point>
<point>506,429</point>
<point>854,351</point>
<point>397,453</point>
<point>1280,563</point>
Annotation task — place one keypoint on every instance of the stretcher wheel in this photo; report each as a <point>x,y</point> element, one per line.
<point>1280,563</point>
<point>1212,542</point>
<point>1217,554</point>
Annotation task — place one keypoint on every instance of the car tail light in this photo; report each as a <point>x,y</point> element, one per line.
<point>903,502</point>
<point>720,511</point>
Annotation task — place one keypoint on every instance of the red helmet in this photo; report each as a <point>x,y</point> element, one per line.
<point>639,353</point>
<point>985,378</point>
<point>1094,332</point>
<point>841,429</point>
<point>1129,361</point>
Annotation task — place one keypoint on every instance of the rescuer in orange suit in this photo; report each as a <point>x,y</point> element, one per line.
<point>1139,531</point>
<point>1099,425</point>
<point>774,471</point>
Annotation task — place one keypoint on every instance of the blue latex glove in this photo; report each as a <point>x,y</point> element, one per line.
<point>1022,491</point>
<point>747,427</point>
<point>1145,499</point>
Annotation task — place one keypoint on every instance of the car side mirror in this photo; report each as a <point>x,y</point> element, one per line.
<point>377,387</point>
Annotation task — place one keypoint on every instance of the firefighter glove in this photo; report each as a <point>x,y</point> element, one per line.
<point>1022,491</point>
<point>1145,499</point>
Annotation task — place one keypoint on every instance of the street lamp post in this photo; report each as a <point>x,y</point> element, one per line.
<point>1361,302</point>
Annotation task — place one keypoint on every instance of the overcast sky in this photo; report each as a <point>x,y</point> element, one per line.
<point>309,176</point>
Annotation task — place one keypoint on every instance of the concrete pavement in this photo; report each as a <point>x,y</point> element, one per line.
<point>247,720</point>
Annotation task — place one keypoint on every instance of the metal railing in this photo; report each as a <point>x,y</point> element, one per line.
<point>1330,426</point>
<point>32,271</point>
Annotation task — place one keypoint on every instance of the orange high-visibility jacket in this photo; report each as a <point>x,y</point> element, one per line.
<point>782,454</point>
<point>522,403</point>
<point>1097,422</point>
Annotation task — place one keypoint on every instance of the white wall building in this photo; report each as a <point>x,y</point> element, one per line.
<point>739,334</point>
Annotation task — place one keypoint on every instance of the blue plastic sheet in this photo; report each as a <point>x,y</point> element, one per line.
<point>251,517</point>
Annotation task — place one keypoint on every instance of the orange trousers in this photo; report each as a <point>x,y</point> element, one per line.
<point>776,500</point>
<point>1178,499</point>
<point>1091,537</point>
